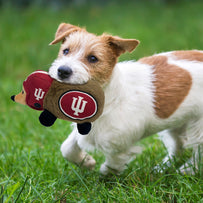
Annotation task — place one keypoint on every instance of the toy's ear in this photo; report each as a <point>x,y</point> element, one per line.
<point>63,31</point>
<point>20,98</point>
<point>120,45</point>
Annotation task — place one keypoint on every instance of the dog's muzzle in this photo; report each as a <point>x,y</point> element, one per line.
<point>64,72</point>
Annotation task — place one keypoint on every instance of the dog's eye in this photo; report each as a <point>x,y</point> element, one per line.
<point>65,51</point>
<point>92,59</point>
<point>22,91</point>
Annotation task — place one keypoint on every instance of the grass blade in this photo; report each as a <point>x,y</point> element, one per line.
<point>21,189</point>
<point>1,194</point>
<point>76,173</point>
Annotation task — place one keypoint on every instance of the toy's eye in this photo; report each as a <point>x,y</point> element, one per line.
<point>22,91</point>
<point>66,51</point>
<point>92,59</point>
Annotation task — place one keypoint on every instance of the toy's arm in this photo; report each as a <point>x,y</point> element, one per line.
<point>84,128</point>
<point>46,118</point>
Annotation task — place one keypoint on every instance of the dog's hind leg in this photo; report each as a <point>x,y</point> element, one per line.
<point>73,153</point>
<point>173,141</point>
<point>194,140</point>
<point>195,163</point>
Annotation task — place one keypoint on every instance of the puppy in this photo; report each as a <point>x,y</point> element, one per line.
<point>161,93</point>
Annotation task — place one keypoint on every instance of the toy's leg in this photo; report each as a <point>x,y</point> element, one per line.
<point>73,153</point>
<point>117,163</point>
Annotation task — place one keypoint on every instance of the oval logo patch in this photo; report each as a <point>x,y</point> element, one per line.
<point>78,105</point>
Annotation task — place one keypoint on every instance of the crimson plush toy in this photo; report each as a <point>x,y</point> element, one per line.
<point>82,104</point>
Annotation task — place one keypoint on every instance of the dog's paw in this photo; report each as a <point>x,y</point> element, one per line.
<point>106,170</point>
<point>164,165</point>
<point>88,162</point>
<point>188,168</point>
<point>161,168</point>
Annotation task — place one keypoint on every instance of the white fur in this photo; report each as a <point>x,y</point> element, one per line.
<point>129,115</point>
<point>80,74</point>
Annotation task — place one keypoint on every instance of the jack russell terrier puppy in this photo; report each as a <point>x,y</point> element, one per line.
<point>161,93</point>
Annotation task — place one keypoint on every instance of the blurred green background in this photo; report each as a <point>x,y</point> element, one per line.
<point>29,152</point>
<point>27,27</point>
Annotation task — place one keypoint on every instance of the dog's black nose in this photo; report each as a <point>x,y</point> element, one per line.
<point>13,97</point>
<point>64,72</point>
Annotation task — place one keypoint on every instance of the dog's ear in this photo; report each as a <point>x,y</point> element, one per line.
<point>63,31</point>
<point>121,45</point>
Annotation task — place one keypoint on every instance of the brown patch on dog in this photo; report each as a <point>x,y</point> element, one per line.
<point>189,55</point>
<point>172,85</point>
<point>63,31</point>
<point>120,45</point>
<point>100,71</point>
<point>107,49</point>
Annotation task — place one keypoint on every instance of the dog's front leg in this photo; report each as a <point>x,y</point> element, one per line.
<point>73,153</point>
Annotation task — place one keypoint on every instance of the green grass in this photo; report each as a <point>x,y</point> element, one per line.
<point>31,166</point>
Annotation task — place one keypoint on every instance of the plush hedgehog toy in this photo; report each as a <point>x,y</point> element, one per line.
<point>82,104</point>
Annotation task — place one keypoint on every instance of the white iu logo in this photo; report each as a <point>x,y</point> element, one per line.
<point>77,107</point>
<point>39,94</point>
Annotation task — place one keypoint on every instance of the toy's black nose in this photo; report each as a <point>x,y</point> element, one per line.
<point>13,97</point>
<point>64,72</point>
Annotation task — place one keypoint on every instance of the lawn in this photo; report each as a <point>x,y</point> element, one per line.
<point>32,168</point>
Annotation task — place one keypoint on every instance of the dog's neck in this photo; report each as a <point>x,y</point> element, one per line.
<point>129,79</point>
<point>113,86</point>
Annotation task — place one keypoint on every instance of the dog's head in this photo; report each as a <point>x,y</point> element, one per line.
<point>85,56</point>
